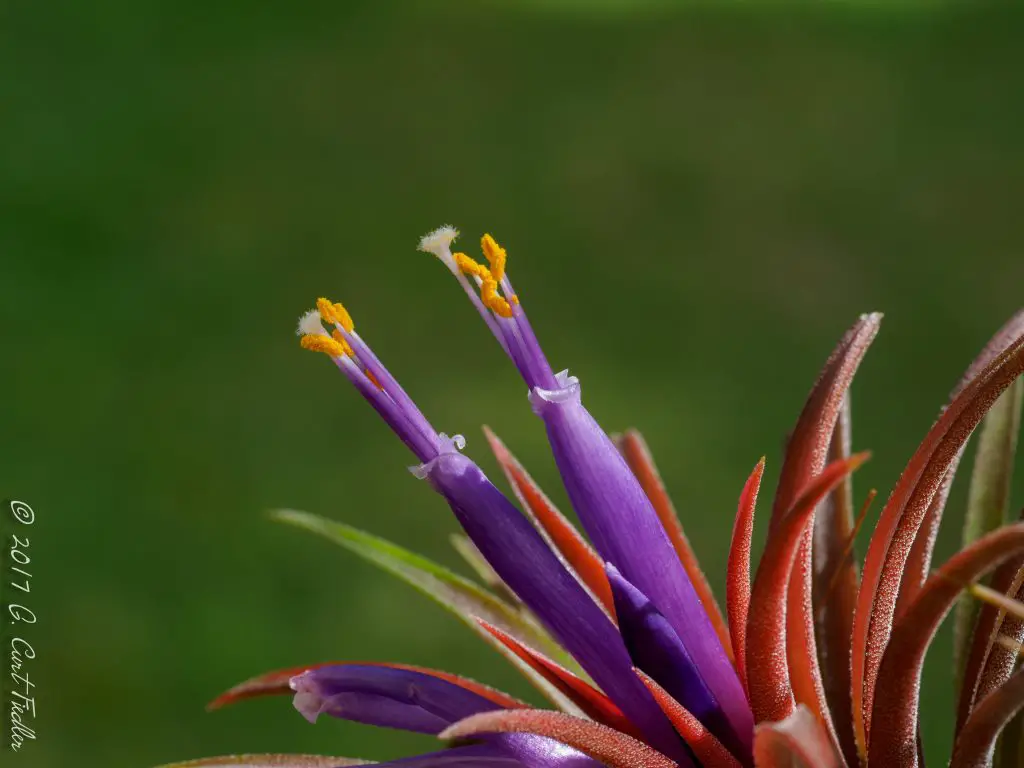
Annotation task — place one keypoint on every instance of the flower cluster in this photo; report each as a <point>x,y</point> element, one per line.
<point>815,662</point>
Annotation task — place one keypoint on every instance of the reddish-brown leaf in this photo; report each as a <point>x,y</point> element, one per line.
<point>901,519</point>
<point>919,562</point>
<point>1002,656</point>
<point>976,743</point>
<point>799,741</point>
<point>562,535</point>
<point>634,450</point>
<point>591,701</point>
<point>706,748</point>
<point>275,683</point>
<point>835,589</point>
<point>806,454</point>
<point>986,630</point>
<point>894,717</point>
<point>737,585</point>
<point>768,667</point>
<point>600,742</point>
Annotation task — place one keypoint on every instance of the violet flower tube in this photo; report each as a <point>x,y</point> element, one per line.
<point>504,536</point>
<point>611,505</point>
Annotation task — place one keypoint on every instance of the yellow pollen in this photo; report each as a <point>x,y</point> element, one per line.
<point>488,285</point>
<point>316,342</point>
<point>336,335</point>
<point>495,256</point>
<point>335,313</point>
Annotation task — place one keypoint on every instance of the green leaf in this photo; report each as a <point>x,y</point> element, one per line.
<point>270,761</point>
<point>459,595</point>
<point>988,499</point>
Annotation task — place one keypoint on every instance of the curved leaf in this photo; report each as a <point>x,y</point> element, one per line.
<point>806,454</point>
<point>768,672</point>
<point>988,500</point>
<point>836,580</point>
<point>459,595</point>
<point>706,748</point>
<point>600,742</point>
<point>737,585</point>
<point>269,761</point>
<point>898,525</point>
<point>975,746</point>
<point>590,701</point>
<point>894,717</point>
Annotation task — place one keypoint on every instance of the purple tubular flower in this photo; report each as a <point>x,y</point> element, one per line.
<point>614,511</point>
<point>385,697</point>
<point>504,536</point>
<point>657,650</point>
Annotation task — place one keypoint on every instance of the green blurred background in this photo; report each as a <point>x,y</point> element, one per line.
<point>697,201</point>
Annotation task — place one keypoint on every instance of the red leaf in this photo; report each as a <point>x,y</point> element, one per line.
<point>977,740</point>
<point>562,536</point>
<point>591,701</point>
<point>987,628</point>
<point>275,683</point>
<point>634,450</point>
<point>919,562</point>
<point>836,580</point>
<point>600,742</point>
<point>799,741</point>
<point>768,669</point>
<point>806,455</point>
<point>706,748</point>
<point>894,717</point>
<point>902,517</point>
<point>737,585</point>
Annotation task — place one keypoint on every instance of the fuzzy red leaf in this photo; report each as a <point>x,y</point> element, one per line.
<point>708,750</point>
<point>976,743</point>
<point>901,520</point>
<point>737,585</point>
<point>600,742</point>
<point>806,454</point>
<point>591,701</point>
<point>561,535</point>
<point>634,450</point>
<point>768,668</point>
<point>894,718</point>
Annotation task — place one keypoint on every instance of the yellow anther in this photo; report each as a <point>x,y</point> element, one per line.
<point>336,335</point>
<point>495,256</point>
<point>316,342</point>
<point>335,313</point>
<point>488,285</point>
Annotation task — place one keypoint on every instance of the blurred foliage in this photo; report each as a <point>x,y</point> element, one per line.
<point>696,202</point>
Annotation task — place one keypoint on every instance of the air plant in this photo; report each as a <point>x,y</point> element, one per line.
<point>815,662</point>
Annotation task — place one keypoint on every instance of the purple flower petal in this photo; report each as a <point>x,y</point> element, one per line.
<point>385,697</point>
<point>514,750</point>
<point>519,555</point>
<point>626,531</point>
<point>657,651</point>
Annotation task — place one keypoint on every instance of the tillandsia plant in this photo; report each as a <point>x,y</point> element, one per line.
<point>815,662</point>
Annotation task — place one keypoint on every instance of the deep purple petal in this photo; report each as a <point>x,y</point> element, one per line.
<point>385,697</point>
<point>531,569</point>
<point>626,532</point>
<point>657,650</point>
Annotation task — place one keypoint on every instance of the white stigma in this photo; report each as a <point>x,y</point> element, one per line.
<point>439,242</point>
<point>310,323</point>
